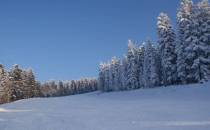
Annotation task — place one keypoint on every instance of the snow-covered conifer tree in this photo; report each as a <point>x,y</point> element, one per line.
<point>101,78</point>
<point>4,82</point>
<point>124,73</point>
<point>150,71</point>
<point>107,77</point>
<point>166,41</point>
<point>183,33</point>
<point>140,63</point>
<point>132,78</point>
<point>115,74</point>
<point>198,43</point>
<point>2,79</point>
<point>17,87</point>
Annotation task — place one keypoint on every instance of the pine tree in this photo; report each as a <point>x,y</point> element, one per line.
<point>16,83</point>
<point>33,84</point>
<point>132,78</point>
<point>4,80</point>
<point>124,73</point>
<point>204,41</point>
<point>183,33</point>
<point>158,65</point>
<point>150,72</point>
<point>140,63</point>
<point>166,41</point>
<point>107,77</point>
<point>73,87</point>
<point>198,59</point>
<point>116,73</point>
<point>61,90</point>
<point>111,76</point>
<point>101,78</point>
<point>27,89</point>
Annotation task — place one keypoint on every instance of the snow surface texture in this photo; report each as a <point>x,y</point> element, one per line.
<point>171,108</point>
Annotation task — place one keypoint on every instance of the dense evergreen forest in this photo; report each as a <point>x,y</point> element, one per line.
<point>180,55</point>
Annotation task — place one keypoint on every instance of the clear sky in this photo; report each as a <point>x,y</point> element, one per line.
<point>67,39</point>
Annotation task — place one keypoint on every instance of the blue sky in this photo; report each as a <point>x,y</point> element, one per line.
<point>67,39</point>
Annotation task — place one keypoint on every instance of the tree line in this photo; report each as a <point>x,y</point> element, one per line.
<point>178,57</point>
<point>71,87</point>
<point>18,83</point>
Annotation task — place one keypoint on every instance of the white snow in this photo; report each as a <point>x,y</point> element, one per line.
<point>172,108</point>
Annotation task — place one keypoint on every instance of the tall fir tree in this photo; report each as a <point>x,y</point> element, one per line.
<point>166,41</point>
<point>115,69</point>
<point>101,77</point>
<point>35,90</point>
<point>16,87</point>
<point>107,77</point>
<point>183,33</point>
<point>198,50</point>
<point>150,71</point>
<point>124,73</point>
<point>132,78</point>
<point>4,80</point>
<point>140,63</point>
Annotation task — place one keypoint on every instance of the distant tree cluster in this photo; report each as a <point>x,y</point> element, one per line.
<point>17,84</point>
<point>64,88</point>
<point>179,57</point>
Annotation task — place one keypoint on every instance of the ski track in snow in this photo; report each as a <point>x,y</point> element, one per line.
<point>172,108</point>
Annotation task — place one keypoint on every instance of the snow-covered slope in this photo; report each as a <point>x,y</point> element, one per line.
<point>171,108</point>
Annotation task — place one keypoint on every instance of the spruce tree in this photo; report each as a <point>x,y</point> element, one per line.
<point>124,73</point>
<point>183,33</point>
<point>132,78</point>
<point>150,70</point>
<point>140,63</point>
<point>199,42</point>
<point>4,80</point>
<point>101,78</point>
<point>166,41</point>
